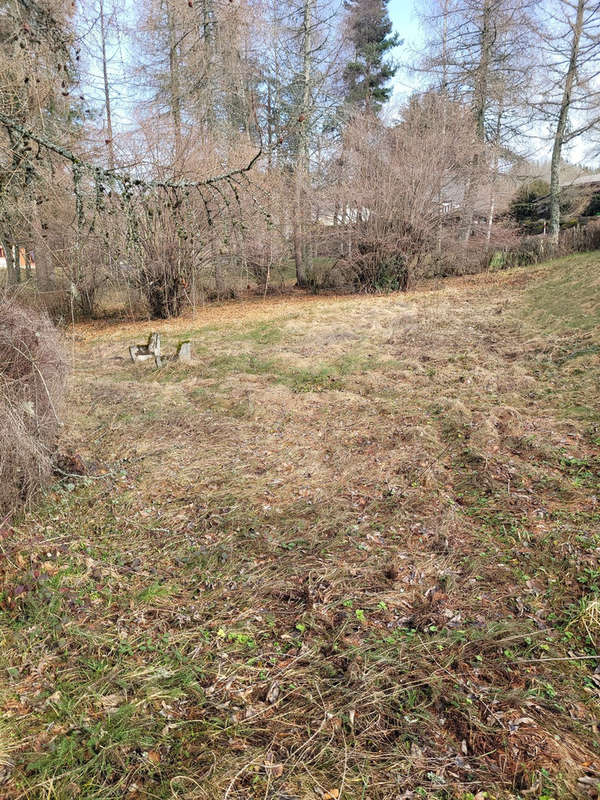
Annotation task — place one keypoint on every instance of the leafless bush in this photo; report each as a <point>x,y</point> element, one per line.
<point>32,373</point>
<point>264,248</point>
<point>525,250</point>
<point>162,265</point>
<point>394,189</point>
<point>483,250</point>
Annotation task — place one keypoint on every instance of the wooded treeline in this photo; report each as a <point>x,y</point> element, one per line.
<point>174,151</point>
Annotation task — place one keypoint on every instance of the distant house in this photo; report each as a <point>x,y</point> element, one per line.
<point>449,203</point>
<point>580,199</point>
<point>589,181</point>
<point>343,216</point>
<point>584,194</point>
<point>22,257</point>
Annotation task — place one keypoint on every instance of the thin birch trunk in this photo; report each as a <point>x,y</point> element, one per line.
<point>444,120</point>
<point>492,205</point>
<point>479,106</point>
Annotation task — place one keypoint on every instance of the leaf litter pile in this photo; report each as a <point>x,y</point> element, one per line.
<point>351,551</point>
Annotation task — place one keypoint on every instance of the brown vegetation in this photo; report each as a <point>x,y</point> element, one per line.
<point>351,549</point>
<point>32,388</point>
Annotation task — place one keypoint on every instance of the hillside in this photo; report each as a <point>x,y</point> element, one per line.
<point>352,551</point>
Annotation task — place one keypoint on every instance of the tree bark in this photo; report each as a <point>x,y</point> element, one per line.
<point>9,255</point>
<point>208,39</point>
<point>275,83</point>
<point>561,124</point>
<point>301,277</point>
<point>493,186</point>
<point>17,265</point>
<point>174,85</point>
<point>107,101</point>
<point>481,85</point>
<point>301,252</point>
<point>480,102</point>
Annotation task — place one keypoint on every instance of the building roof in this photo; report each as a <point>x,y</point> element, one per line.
<point>585,179</point>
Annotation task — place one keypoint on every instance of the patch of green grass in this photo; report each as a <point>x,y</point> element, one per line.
<point>264,333</point>
<point>310,381</point>
<point>248,363</point>
<point>568,296</point>
<point>321,378</point>
<point>155,591</point>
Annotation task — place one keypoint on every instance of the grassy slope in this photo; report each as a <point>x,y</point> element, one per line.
<point>353,548</point>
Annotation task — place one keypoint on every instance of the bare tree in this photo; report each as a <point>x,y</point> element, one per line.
<point>570,101</point>
<point>107,95</point>
<point>37,73</point>
<point>477,51</point>
<point>302,167</point>
<point>102,74</point>
<point>395,190</point>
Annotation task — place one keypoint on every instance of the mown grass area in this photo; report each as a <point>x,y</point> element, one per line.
<point>569,297</point>
<point>352,551</point>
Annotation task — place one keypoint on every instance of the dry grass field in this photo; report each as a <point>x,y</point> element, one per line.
<point>352,551</point>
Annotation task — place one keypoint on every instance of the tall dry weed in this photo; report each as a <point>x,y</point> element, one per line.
<point>32,386</point>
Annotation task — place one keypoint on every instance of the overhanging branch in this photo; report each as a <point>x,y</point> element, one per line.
<point>115,176</point>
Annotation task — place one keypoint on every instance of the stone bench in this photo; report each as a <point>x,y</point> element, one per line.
<point>151,350</point>
<point>184,352</point>
<point>145,352</point>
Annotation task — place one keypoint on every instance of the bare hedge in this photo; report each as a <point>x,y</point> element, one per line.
<point>32,383</point>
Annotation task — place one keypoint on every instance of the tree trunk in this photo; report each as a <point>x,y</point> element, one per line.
<point>17,258</point>
<point>480,102</point>
<point>269,126</point>
<point>301,277</point>
<point>301,251</point>
<point>497,137</point>
<point>107,102</point>
<point>561,125</point>
<point>444,93</point>
<point>208,39</point>
<point>174,85</point>
<point>481,85</point>
<point>275,102</point>
<point>490,221</point>
<point>9,255</point>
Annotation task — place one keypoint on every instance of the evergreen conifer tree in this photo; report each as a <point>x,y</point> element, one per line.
<point>367,76</point>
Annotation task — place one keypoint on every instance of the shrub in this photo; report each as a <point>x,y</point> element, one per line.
<point>388,202</point>
<point>373,267</point>
<point>525,206</point>
<point>32,378</point>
